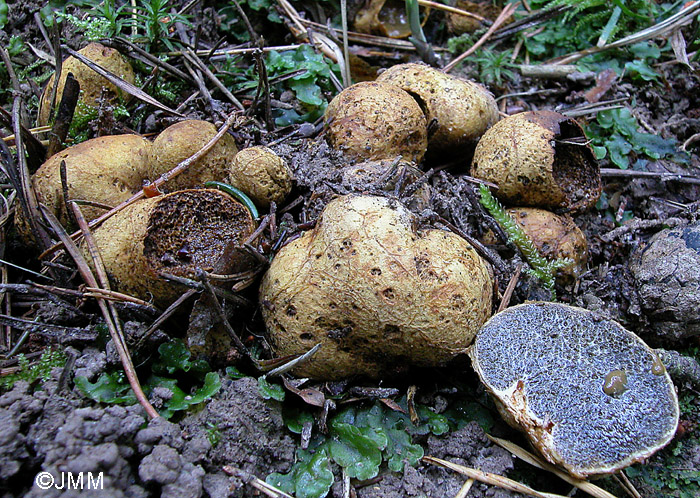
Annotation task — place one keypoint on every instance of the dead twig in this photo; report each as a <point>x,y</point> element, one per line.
<point>89,278</point>
<point>510,288</point>
<point>489,478</point>
<point>251,480</point>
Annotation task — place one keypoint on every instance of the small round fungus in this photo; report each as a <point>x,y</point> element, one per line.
<point>589,394</point>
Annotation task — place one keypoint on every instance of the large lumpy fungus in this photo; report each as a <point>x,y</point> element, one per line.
<point>539,158</point>
<point>590,395</point>
<point>458,111</point>
<point>91,83</point>
<point>181,140</point>
<point>376,293</point>
<point>176,234</point>
<point>667,278</point>
<point>373,120</point>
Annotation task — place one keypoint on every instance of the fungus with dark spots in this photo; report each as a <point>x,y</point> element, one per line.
<point>383,313</point>
<point>91,83</point>
<point>588,393</point>
<point>361,123</point>
<point>462,110</point>
<point>539,158</point>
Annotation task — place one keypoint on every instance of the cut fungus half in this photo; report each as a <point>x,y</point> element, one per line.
<point>591,396</point>
<point>539,158</point>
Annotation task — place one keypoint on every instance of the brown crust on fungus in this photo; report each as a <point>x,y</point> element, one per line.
<point>535,159</point>
<point>376,294</point>
<point>549,367</point>
<point>462,110</point>
<point>667,276</point>
<point>91,83</point>
<point>262,175</point>
<point>374,120</point>
<point>176,234</point>
<point>107,170</point>
<point>179,141</point>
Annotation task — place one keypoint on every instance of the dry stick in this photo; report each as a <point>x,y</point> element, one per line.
<point>89,278</point>
<point>347,78</point>
<point>626,484</point>
<point>260,485</point>
<point>489,478</point>
<point>453,10</point>
<point>535,461</point>
<point>153,187</point>
<point>36,151</point>
<point>163,317</point>
<point>201,274</point>
<point>464,490</point>
<point>502,17</point>
<point>64,115</point>
<point>117,296</point>
<point>152,59</point>
<point>192,57</point>
<point>510,288</point>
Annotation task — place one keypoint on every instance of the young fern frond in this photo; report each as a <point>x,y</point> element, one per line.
<point>540,266</point>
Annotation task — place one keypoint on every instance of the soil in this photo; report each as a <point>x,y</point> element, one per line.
<point>52,426</point>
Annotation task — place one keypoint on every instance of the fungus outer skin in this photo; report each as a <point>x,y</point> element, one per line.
<point>551,360</point>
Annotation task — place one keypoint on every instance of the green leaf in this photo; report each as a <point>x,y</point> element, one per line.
<point>645,50</point>
<point>599,151</point>
<point>295,419</point>
<point>174,356</point>
<point>307,91</point>
<point>400,449</point>
<point>234,373</point>
<point>270,391</point>
<point>619,149</point>
<point>357,450</point>
<point>640,69</point>
<point>3,13</point>
<point>109,388</point>
<point>310,477</point>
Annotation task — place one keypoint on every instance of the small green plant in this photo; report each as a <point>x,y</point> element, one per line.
<point>303,71</point>
<point>494,66</point>
<point>4,10</point>
<point>360,440</point>
<point>602,18</point>
<point>615,134</point>
<point>213,433</point>
<point>175,371</point>
<point>540,267</point>
<point>41,370</point>
<point>155,20</point>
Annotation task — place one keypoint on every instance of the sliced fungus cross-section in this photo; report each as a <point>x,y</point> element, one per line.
<point>588,393</point>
